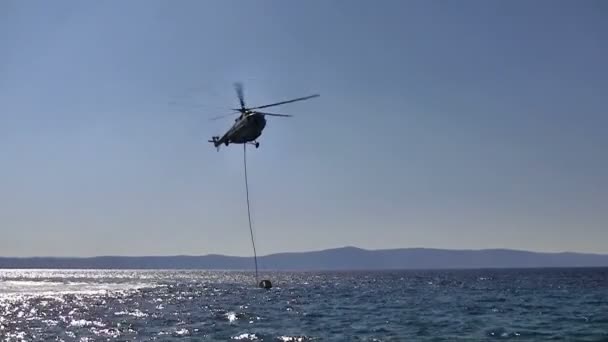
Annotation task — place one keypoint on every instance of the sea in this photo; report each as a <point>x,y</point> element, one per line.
<point>198,305</point>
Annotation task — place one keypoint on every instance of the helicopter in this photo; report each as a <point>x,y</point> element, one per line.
<point>248,126</point>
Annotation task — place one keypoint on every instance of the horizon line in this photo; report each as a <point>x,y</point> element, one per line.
<point>304,252</point>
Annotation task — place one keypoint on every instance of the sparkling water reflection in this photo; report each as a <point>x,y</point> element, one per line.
<point>82,305</point>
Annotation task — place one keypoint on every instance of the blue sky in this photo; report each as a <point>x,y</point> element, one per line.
<point>440,124</point>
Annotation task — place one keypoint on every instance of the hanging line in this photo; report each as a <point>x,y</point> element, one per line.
<point>255,257</point>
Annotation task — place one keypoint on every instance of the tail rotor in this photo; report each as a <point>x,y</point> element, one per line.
<point>215,141</point>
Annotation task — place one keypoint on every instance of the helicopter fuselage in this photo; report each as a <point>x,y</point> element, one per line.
<point>250,124</point>
<point>244,130</point>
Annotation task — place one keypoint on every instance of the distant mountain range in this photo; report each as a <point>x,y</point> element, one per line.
<point>346,258</point>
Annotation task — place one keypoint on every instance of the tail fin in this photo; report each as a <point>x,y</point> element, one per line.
<point>215,141</point>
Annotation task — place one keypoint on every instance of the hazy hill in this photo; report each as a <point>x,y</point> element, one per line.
<point>347,258</point>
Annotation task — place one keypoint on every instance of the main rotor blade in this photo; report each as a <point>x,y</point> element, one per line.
<point>223,116</point>
<point>239,92</point>
<point>272,114</point>
<point>288,101</point>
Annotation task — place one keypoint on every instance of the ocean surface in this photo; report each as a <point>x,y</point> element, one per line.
<point>467,305</point>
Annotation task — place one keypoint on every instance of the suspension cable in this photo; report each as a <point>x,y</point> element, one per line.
<point>255,257</point>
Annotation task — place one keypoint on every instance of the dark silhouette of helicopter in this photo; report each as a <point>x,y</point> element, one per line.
<point>250,123</point>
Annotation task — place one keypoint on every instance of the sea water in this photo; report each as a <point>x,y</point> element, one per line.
<point>467,305</point>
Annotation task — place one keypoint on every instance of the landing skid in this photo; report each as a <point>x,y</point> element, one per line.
<point>254,143</point>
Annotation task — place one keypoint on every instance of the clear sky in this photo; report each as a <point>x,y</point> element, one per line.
<point>475,124</point>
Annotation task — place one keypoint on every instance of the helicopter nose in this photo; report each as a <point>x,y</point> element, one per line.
<point>262,122</point>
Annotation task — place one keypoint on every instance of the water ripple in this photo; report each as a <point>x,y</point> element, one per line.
<point>87,305</point>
